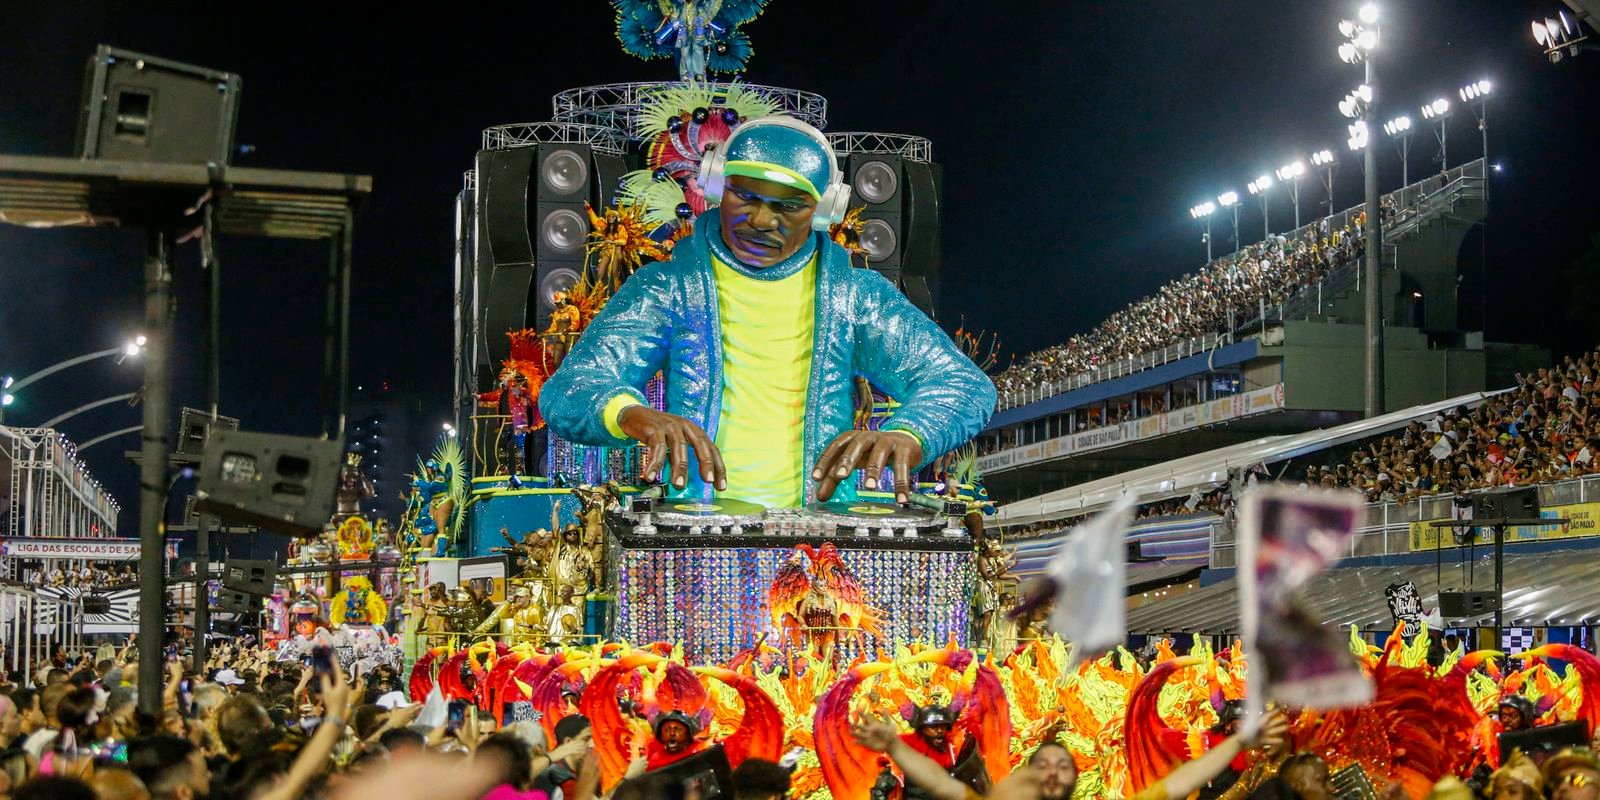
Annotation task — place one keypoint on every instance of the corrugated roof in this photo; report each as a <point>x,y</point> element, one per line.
<point>1553,588</point>
<point>1177,478</point>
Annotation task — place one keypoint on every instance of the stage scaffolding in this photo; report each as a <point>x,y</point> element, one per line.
<point>48,494</point>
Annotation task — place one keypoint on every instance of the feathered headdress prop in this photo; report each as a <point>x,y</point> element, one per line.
<point>680,122</point>
<point>649,29</point>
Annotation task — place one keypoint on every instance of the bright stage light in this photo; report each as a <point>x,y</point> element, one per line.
<point>7,399</point>
<point>131,349</point>
<point>1227,199</point>
<point>1349,54</point>
<point>1437,108</point>
<point>1203,210</point>
<point>1364,93</point>
<point>1369,13</point>
<point>1289,172</point>
<point>140,340</point>
<point>1397,126</point>
<point>1322,158</point>
<point>1367,40</point>
<point>1260,184</point>
<point>1348,28</point>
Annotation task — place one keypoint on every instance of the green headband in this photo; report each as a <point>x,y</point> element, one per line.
<point>772,172</point>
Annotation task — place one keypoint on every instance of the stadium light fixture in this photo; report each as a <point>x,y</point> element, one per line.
<point>1369,14</point>
<point>1397,126</point>
<point>1203,210</point>
<point>1322,158</point>
<point>1560,37</point>
<point>1358,135</point>
<point>1289,172</point>
<point>1475,91</point>
<point>1436,109</point>
<point>1227,199</point>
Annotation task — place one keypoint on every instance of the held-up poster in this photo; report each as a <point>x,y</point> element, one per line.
<point>1287,536</point>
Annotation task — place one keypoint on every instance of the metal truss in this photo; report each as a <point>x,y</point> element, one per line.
<point>599,138</point>
<point>910,148</point>
<point>616,105</point>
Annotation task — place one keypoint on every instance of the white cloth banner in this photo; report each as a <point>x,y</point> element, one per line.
<point>94,549</point>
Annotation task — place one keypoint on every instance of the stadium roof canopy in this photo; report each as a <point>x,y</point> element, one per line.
<point>1205,471</point>
<point>1545,589</point>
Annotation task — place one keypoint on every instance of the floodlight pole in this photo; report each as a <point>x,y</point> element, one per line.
<point>1374,256</point>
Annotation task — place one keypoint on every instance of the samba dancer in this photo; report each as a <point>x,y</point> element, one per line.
<point>761,325</point>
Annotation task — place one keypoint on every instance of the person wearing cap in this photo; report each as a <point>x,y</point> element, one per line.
<point>761,325</point>
<point>1573,774</point>
<point>674,740</point>
<point>229,679</point>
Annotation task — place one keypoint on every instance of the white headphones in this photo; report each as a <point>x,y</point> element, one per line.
<point>835,200</point>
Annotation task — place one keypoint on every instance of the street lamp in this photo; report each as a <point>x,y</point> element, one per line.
<point>1259,187</point>
<point>1400,129</point>
<point>1204,211</point>
<point>1230,199</point>
<point>1324,159</point>
<point>1291,175</point>
<point>449,430</point>
<point>129,349</point>
<point>1439,111</point>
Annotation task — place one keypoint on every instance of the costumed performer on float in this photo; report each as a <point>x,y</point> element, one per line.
<point>760,325</point>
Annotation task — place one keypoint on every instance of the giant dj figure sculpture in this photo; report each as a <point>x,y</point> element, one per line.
<point>760,325</point>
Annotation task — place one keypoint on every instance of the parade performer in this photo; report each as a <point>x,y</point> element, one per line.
<point>761,325</point>
<point>354,489</point>
<point>519,616</point>
<point>358,605</point>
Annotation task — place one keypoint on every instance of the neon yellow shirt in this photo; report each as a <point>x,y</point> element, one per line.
<point>767,340</point>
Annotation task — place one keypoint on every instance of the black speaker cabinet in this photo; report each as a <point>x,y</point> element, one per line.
<point>250,577</point>
<point>96,604</point>
<point>1520,502</point>
<point>232,602</point>
<point>1457,605</point>
<point>281,483</point>
<point>142,108</point>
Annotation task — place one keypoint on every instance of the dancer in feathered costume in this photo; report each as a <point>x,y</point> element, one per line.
<point>814,605</point>
<point>703,36</point>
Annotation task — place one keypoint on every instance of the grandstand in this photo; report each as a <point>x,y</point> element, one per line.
<point>1265,342</point>
<point>1414,465</point>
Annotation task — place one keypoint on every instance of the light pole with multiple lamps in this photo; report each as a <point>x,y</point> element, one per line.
<point>1290,175</point>
<point>1230,199</point>
<point>1204,211</point>
<point>1438,112</point>
<point>1361,40</point>
<point>1258,188</point>
<point>1324,160</point>
<point>1399,129</point>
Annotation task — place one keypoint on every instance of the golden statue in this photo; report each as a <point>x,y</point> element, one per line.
<point>564,623</point>
<point>520,615</point>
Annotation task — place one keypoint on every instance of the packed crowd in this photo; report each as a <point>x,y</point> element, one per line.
<point>1539,431</point>
<point>1228,289</point>
<point>95,574</point>
<point>248,726</point>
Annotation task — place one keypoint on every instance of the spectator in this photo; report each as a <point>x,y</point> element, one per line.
<point>171,768</point>
<point>757,779</point>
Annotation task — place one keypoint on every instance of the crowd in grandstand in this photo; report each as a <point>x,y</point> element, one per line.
<point>1541,430</point>
<point>1231,288</point>
<point>96,574</point>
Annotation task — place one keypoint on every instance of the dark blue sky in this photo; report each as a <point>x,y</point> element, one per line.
<point>1074,138</point>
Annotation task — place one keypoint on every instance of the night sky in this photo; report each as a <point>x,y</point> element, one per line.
<point>1074,137</point>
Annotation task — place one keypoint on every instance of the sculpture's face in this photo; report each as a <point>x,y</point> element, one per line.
<point>764,222</point>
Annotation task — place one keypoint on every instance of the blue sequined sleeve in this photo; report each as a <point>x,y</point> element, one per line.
<point>945,399</point>
<point>625,345</point>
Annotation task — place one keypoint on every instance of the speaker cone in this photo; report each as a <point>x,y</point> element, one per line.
<point>878,239</point>
<point>876,182</point>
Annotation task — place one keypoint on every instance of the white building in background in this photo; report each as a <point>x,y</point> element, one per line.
<point>47,493</point>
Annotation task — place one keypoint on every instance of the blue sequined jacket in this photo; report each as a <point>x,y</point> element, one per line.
<point>665,319</point>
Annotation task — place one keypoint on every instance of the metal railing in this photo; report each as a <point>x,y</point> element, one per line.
<point>1415,204</point>
<point>1387,528</point>
<point>33,625</point>
<point>1116,369</point>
